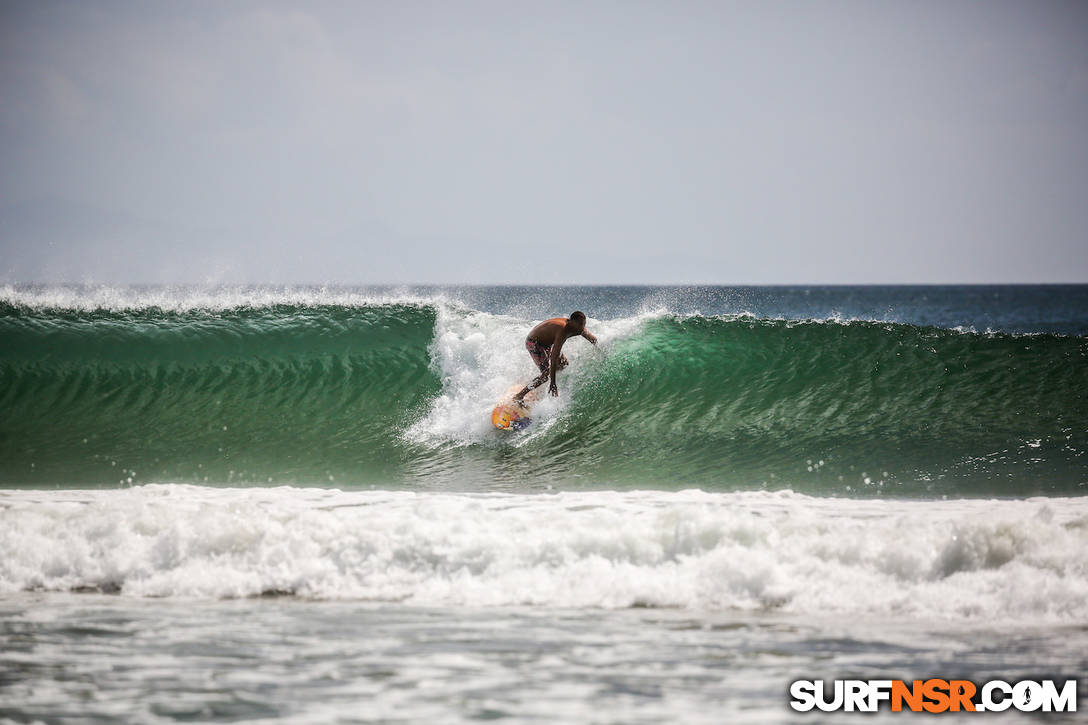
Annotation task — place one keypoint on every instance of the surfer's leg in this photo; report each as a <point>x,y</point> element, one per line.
<point>540,355</point>
<point>534,383</point>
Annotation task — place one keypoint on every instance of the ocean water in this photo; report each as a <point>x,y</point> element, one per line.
<point>288,504</point>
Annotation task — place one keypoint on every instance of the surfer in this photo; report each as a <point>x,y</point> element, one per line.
<point>545,343</point>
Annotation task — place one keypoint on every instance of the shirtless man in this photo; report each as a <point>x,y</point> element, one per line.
<point>544,343</point>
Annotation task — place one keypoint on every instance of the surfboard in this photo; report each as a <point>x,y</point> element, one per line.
<point>511,415</point>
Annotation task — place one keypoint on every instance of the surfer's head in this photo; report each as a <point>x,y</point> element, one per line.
<point>577,320</point>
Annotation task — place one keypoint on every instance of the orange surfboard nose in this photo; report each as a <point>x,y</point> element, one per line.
<point>505,416</point>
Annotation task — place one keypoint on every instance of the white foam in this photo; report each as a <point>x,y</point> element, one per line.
<point>970,560</point>
<point>187,298</point>
<point>479,356</point>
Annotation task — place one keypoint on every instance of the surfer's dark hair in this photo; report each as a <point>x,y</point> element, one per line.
<point>578,315</point>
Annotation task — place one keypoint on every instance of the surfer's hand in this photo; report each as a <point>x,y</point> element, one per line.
<point>553,390</point>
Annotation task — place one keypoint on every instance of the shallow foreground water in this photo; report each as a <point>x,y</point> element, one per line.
<point>71,658</point>
<point>311,605</point>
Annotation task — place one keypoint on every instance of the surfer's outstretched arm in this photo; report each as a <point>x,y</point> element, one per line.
<point>589,336</point>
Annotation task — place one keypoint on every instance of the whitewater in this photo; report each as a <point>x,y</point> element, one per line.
<point>258,503</point>
<point>961,560</point>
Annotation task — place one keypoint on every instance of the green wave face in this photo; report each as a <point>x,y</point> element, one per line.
<point>281,394</point>
<point>843,408</point>
<point>318,394</point>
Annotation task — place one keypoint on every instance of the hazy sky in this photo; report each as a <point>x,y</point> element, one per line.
<point>552,142</point>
